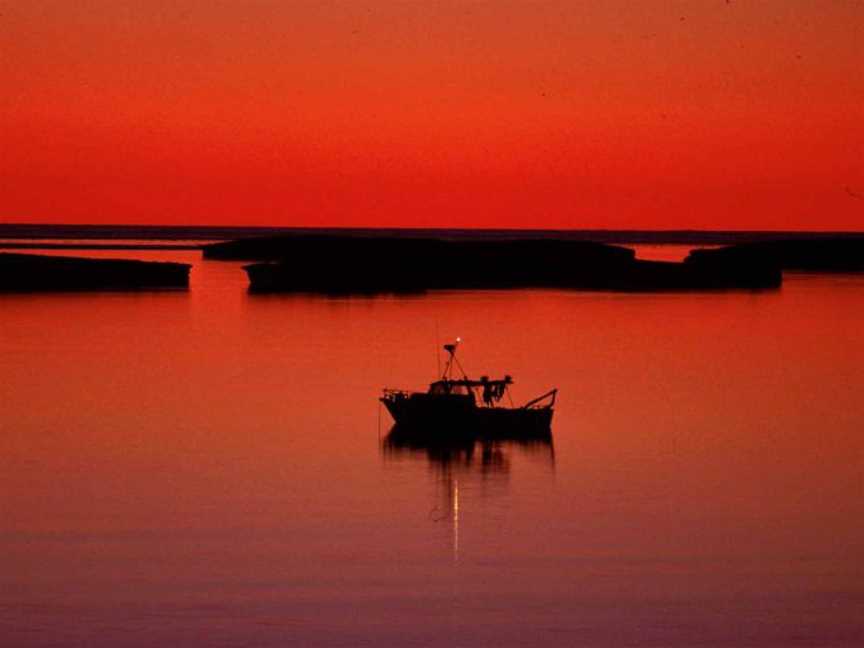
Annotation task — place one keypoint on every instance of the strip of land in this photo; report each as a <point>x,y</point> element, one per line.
<point>42,273</point>
<point>4,245</point>
<point>375,260</point>
<point>357,264</point>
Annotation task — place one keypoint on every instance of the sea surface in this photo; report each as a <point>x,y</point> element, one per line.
<point>212,468</point>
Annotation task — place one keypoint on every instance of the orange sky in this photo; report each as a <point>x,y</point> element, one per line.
<point>659,114</point>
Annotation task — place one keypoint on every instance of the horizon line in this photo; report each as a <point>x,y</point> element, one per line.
<point>662,230</point>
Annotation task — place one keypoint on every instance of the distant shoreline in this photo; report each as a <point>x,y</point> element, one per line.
<point>15,231</point>
<point>95,246</point>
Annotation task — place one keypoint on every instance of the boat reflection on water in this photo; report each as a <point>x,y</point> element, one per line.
<point>465,452</point>
<point>475,463</point>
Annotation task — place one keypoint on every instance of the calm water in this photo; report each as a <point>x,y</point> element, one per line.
<point>208,469</point>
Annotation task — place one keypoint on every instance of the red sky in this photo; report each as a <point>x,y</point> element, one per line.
<point>616,114</point>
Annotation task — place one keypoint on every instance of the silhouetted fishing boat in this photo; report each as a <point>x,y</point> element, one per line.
<point>459,405</point>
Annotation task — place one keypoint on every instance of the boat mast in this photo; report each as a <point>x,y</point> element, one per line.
<point>451,361</point>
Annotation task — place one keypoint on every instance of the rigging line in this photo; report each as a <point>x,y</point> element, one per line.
<point>458,364</point>
<point>437,349</point>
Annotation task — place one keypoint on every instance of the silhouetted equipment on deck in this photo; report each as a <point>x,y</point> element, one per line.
<point>460,406</point>
<point>34,272</point>
<point>368,264</point>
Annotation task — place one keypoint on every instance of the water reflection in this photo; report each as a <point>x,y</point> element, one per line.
<point>465,453</point>
<point>463,458</point>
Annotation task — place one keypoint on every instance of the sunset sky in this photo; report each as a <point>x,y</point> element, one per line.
<point>708,114</point>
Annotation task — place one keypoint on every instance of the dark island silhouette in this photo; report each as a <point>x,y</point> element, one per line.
<point>838,254</point>
<point>42,273</point>
<point>393,261</point>
<point>367,264</point>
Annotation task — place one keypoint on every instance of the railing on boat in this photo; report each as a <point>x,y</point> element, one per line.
<point>538,403</point>
<point>395,392</point>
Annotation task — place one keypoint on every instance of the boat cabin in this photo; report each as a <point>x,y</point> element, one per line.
<point>489,391</point>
